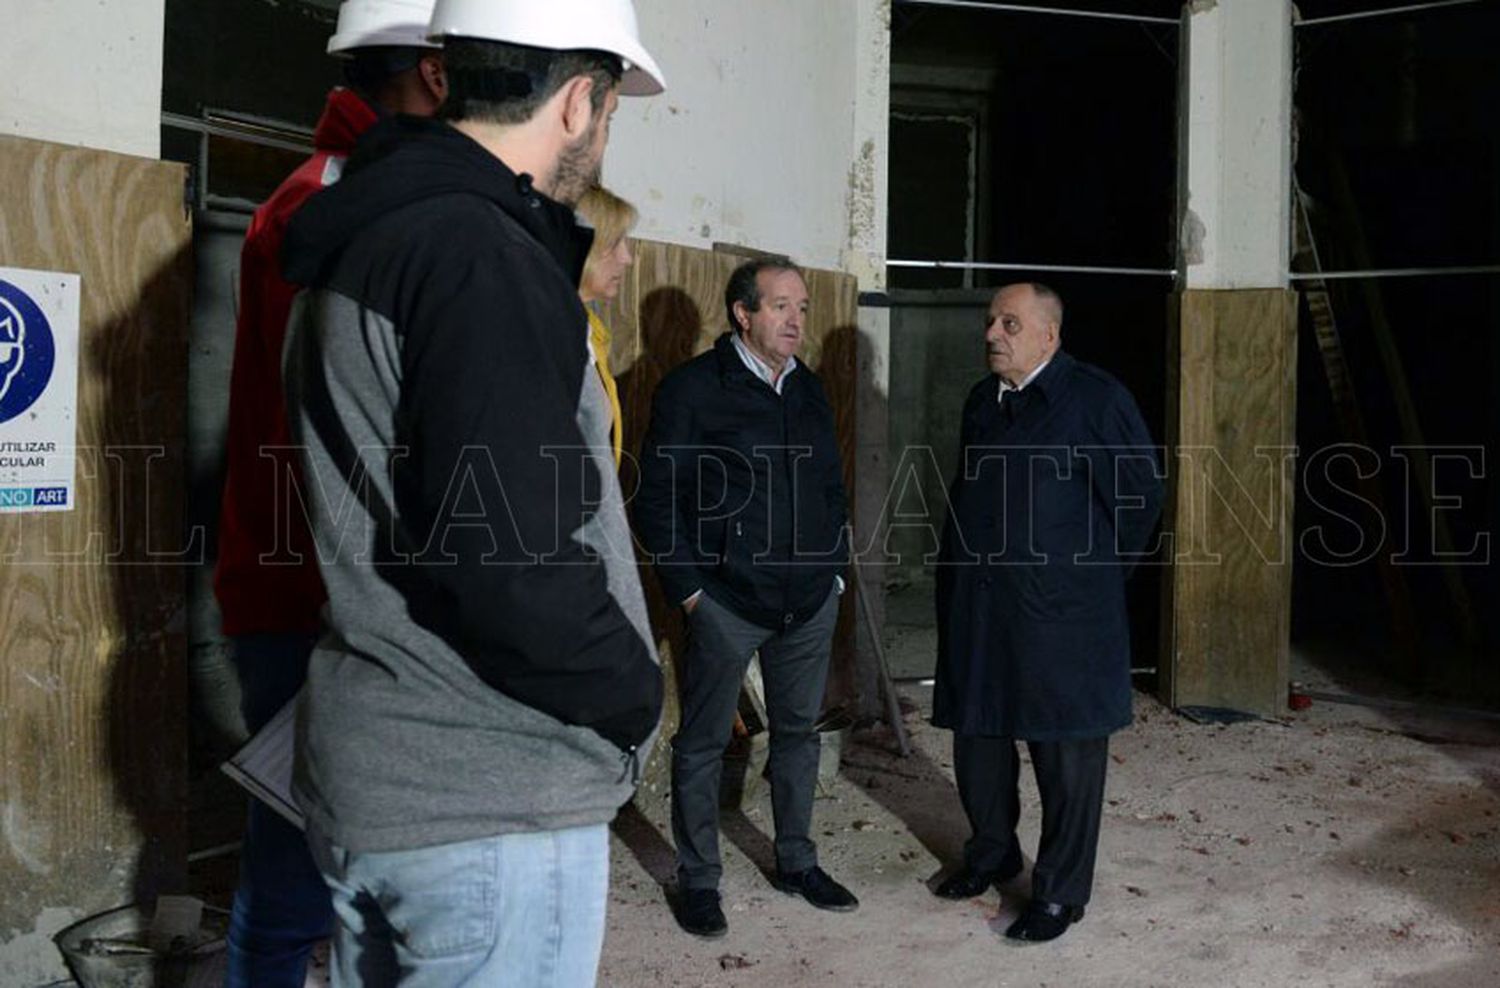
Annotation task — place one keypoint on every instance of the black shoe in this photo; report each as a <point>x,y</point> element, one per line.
<point>698,913</point>
<point>965,883</point>
<point>816,887</point>
<point>1043,921</point>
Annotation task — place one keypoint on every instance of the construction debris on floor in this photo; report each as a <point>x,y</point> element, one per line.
<point>1339,846</point>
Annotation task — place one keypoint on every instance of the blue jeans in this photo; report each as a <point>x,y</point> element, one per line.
<point>281,907</point>
<point>522,910</point>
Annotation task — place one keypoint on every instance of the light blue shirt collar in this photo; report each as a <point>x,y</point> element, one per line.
<point>758,367</point>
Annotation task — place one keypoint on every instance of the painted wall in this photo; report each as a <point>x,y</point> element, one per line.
<point>84,72</point>
<point>769,134</point>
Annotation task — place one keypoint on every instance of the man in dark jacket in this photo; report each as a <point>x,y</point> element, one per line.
<point>1055,495</point>
<point>266,578</point>
<point>479,705</point>
<point>741,505</point>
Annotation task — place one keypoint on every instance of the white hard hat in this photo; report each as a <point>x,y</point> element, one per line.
<point>381,23</point>
<point>604,25</point>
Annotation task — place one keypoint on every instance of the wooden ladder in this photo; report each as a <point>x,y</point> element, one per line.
<point>1330,347</point>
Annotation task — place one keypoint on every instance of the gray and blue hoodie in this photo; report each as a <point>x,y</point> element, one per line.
<point>487,665</point>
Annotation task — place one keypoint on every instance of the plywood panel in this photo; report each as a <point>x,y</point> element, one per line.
<point>1232,428</point>
<point>672,308</point>
<point>93,697</point>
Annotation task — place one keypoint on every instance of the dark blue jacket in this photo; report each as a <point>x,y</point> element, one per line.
<point>742,490</point>
<point>1056,490</point>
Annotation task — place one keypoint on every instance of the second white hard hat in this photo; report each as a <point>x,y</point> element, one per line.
<point>604,25</point>
<point>381,23</point>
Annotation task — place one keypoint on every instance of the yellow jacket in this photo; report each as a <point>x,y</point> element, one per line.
<point>600,337</point>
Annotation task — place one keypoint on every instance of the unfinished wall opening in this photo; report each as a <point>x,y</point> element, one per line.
<point>241,128</point>
<point>936,159</point>
<point>1397,156</point>
<point>215,76</point>
<point>1025,145</point>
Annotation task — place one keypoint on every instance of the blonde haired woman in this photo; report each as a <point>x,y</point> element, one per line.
<point>612,218</point>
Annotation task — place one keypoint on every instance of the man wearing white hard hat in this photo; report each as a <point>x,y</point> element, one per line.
<point>487,689</point>
<point>266,578</point>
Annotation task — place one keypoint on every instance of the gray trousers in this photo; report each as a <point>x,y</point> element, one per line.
<point>794,665</point>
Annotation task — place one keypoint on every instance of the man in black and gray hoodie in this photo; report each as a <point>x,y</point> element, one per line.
<point>487,687</point>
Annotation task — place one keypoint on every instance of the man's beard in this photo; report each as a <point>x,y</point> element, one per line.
<point>577,169</point>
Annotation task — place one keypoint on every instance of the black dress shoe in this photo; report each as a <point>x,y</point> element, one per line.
<point>816,887</point>
<point>1043,921</point>
<point>698,913</point>
<point>965,883</point>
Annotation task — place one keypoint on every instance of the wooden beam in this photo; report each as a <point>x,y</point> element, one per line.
<point>1412,437</point>
<point>1352,424</point>
<point>1231,424</point>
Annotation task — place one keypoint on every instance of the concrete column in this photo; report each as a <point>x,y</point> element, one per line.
<point>864,257</point>
<point>1235,106</point>
<point>1232,355</point>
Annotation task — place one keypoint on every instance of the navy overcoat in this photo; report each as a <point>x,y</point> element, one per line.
<point>1056,494</point>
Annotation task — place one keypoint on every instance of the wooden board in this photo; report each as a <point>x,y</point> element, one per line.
<point>1231,424</point>
<point>93,683</point>
<point>670,309</point>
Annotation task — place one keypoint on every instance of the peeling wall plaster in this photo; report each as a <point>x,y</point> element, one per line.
<point>758,140</point>
<point>1193,235</point>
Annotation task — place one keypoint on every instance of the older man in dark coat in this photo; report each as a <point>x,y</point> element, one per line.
<point>1056,494</point>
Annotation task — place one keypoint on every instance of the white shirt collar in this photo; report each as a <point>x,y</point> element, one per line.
<point>1006,385</point>
<point>758,367</point>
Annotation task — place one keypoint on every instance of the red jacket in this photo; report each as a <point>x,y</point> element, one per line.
<point>267,577</point>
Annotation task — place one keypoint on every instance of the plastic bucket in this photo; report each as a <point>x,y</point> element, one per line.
<point>110,950</point>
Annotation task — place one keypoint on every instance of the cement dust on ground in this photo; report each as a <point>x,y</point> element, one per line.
<point>1339,846</point>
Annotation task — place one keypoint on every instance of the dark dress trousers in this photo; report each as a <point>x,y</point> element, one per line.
<point>1056,494</point>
